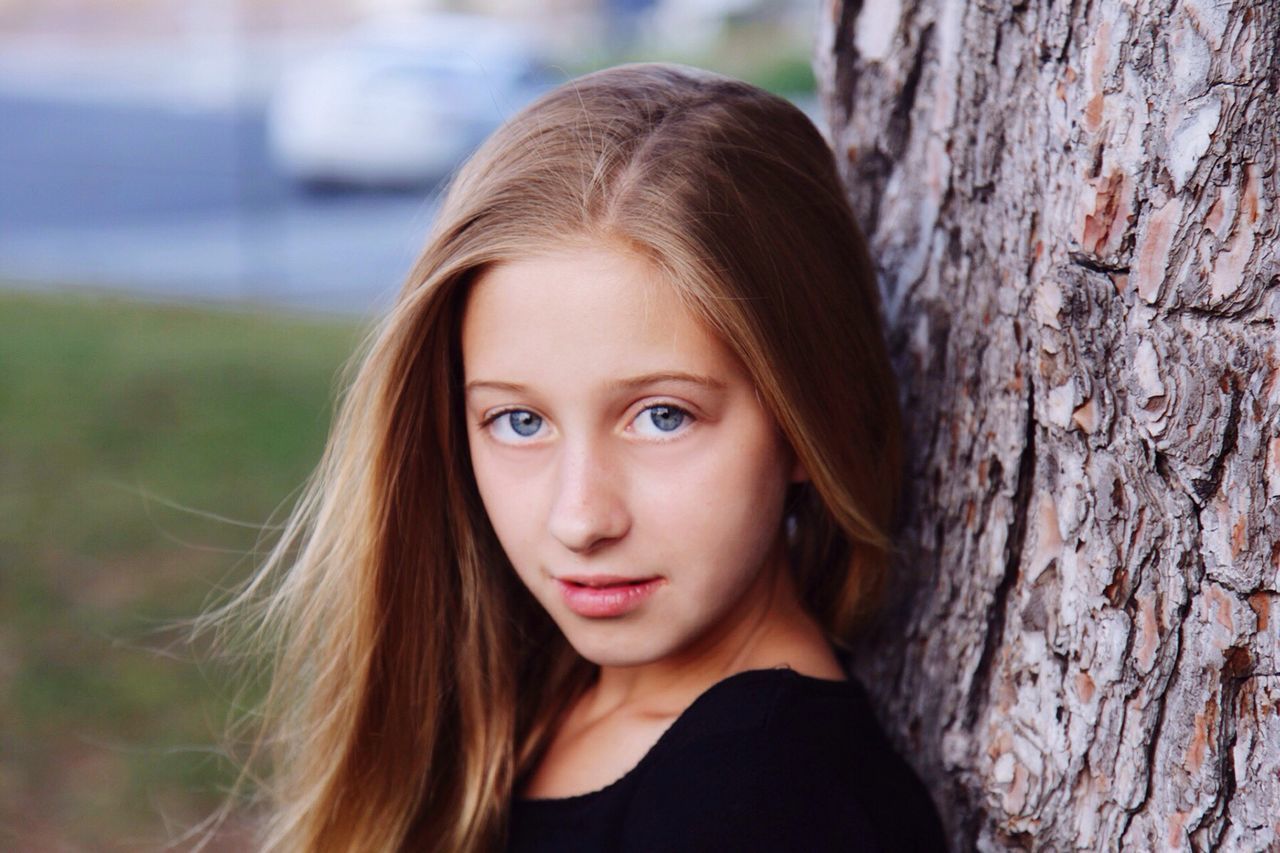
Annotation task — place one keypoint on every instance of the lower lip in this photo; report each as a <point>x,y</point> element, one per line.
<point>604,601</point>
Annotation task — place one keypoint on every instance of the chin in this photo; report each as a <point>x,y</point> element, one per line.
<point>604,645</point>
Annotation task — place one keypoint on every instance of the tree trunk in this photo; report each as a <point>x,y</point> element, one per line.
<point>1073,206</point>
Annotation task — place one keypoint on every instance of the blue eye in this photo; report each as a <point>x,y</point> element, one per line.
<point>666,418</point>
<point>662,420</point>
<point>522,423</point>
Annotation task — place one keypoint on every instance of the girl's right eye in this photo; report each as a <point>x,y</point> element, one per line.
<point>514,425</point>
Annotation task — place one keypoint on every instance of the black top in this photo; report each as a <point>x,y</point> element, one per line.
<point>764,760</point>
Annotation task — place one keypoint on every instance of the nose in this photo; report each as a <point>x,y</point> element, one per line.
<point>588,509</point>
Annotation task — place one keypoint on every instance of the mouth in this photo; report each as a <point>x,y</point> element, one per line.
<point>606,596</point>
<point>603,581</point>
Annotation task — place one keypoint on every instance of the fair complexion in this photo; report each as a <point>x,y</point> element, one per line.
<point>612,435</point>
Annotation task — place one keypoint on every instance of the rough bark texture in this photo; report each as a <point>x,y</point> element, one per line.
<point>1073,205</point>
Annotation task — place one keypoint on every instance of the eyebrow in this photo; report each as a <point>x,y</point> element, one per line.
<point>629,384</point>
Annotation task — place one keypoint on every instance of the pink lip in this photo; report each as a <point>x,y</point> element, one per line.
<point>599,596</point>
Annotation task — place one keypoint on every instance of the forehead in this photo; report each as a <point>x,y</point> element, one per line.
<point>582,316</point>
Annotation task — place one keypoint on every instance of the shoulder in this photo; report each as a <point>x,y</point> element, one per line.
<point>782,761</point>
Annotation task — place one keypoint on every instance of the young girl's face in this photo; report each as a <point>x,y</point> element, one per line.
<point>632,476</point>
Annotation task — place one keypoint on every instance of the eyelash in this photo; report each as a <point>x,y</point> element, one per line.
<point>689,419</point>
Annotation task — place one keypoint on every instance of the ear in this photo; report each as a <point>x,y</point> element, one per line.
<point>799,474</point>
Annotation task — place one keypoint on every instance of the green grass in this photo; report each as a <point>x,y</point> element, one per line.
<point>123,425</point>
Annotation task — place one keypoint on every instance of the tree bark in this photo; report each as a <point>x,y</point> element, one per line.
<point>1073,206</point>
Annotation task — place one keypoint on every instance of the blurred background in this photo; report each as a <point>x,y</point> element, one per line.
<point>203,204</point>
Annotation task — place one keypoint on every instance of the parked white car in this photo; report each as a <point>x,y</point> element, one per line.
<point>403,100</point>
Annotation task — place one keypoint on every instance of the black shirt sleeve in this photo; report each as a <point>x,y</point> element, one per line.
<point>818,775</point>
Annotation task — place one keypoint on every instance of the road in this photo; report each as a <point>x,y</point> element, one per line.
<point>182,202</point>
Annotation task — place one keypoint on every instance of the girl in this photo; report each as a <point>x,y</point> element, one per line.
<point>602,504</point>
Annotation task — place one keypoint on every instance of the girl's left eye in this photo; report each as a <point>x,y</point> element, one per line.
<point>664,420</point>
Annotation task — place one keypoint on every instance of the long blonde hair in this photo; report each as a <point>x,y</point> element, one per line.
<point>414,679</point>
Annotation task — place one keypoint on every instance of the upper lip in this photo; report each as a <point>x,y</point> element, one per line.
<point>603,580</point>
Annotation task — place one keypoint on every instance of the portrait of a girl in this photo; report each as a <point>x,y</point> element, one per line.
<point>607,493</point>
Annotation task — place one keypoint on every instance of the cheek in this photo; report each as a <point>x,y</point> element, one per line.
<point>509,502</point>
<point>723,509</point>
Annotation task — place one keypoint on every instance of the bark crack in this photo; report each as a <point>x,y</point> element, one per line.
<point>899,125</point>
<point>1146,562</point>
<point>1153,740</point>
<point>1246,311</point>
<point>847,67</point>
<point>1209,485</point>
<point>1081,259</point>
<point>1235,672</point>
<point>1012,563</point>
<point>1071,31</point>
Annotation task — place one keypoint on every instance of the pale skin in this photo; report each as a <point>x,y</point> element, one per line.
<point>610,432</point>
